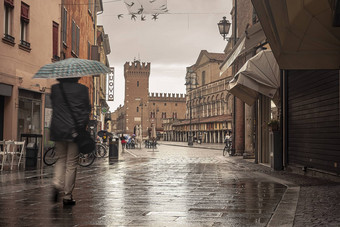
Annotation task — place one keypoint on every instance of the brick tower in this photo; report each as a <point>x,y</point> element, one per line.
<point>136,76</point>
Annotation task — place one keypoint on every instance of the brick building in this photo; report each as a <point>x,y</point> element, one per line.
<point>143,109</point>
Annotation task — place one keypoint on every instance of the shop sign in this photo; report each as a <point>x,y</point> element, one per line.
<point>111,86</point>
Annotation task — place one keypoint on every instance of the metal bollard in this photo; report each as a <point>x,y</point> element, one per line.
<point>113,149</point>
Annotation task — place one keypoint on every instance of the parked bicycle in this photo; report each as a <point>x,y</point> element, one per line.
<point>227,149</point>
<point>50,156</point>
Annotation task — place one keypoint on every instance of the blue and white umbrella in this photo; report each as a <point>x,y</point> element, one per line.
<point>70,68</point>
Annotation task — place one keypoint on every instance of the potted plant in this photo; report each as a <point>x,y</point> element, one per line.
<point>274,125</point>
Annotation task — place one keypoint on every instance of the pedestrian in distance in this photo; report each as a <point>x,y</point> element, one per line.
<point>63,132</point>
<point>123,141</point>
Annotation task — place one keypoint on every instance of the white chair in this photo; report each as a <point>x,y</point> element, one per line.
<point>2,152</point>
<point>5,151</point>
<point>21,152</point>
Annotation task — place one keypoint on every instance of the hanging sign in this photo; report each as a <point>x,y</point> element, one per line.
<point>111,86</point>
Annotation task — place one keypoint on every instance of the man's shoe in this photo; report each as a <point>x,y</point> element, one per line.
<point>55,195</point>
<point>69,202</point>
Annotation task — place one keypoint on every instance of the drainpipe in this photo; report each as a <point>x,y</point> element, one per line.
<point>234,72</point>
<point>61,30</point>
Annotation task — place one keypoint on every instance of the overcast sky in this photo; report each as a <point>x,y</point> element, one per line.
<point>171,43</point>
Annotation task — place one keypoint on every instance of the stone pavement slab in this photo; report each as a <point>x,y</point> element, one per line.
<point>175,186</point>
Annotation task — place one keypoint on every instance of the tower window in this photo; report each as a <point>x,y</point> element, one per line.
<point>164,104</point>
<point>137,83</point>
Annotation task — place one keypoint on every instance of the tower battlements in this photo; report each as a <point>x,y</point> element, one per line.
<point>166,97</point>
<point>137,66</point>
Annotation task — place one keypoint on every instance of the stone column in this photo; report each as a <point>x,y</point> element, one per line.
<point>249,132</point>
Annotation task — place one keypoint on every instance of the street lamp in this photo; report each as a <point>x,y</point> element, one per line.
<point>190,80</point>
<point>223,27</point>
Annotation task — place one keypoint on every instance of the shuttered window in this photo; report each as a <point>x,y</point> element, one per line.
<point>55,40</point>
<point>9,3</point>
<point>25,12</point>
<point>64,26</point>
<point>88,50</point>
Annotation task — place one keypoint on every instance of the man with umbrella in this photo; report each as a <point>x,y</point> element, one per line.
<point>71,110</point>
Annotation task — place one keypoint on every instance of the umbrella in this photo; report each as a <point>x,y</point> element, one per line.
<point>71,67</point>
<point>101,133</point>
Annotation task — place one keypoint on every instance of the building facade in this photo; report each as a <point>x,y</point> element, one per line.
<point>208,104</point>
<point>29,42</point>
<point>36,34</point>
<point>144,111</point>
<point>307,50</point>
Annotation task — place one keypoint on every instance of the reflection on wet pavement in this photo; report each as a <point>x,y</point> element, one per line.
<point>150,190</point>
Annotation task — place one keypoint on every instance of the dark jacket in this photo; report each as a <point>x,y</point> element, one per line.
<point>62,123</point>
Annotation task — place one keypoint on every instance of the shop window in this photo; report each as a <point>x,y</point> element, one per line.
<point>29,114</point>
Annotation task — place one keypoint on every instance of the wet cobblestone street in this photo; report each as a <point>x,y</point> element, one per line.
<point>173,186</point>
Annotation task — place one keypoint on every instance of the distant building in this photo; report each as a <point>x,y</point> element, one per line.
<point>143,110</point>
<point>207,101</point>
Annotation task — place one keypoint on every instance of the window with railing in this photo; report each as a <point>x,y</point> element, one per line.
<point>8,20</point>
<point>24,19</point>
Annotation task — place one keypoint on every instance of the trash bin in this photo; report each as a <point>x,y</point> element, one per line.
<point>31,155</point>
<point>113,148</point>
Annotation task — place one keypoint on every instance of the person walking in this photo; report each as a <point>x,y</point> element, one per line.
<point>63,132</point>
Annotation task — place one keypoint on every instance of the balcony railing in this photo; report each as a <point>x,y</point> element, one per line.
<point>25,44</point>
<point>9,38</point>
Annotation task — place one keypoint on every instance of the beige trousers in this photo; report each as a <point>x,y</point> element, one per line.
<point>65,169</point>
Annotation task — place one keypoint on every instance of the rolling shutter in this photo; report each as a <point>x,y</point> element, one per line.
<point>313,119</point>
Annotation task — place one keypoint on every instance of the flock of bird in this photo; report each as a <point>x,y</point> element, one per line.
<point>140,12</point>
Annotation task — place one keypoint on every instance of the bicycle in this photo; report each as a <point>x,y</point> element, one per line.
<point>227,149</point>
<point>85,160</point>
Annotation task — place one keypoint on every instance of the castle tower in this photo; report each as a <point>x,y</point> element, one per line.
<point>136,76</point>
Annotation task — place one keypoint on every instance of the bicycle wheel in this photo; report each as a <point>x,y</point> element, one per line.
<point>50,156</point>
<point>100,150</point>
<point>86,159</point>
<point>225,150</point>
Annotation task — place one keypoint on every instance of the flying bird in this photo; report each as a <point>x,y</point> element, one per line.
<point>133,17</point>
<point>132,3</point>
<point>155,16</point>
<point>140,10</point>
<point>120,16</point>
<point>142,18</point>
<point>152,1</point>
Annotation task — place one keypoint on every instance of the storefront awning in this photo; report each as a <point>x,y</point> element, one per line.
<point>252,38</point>
<point>5,90</point>
<point>301,33</point>
<point>260,74</point>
